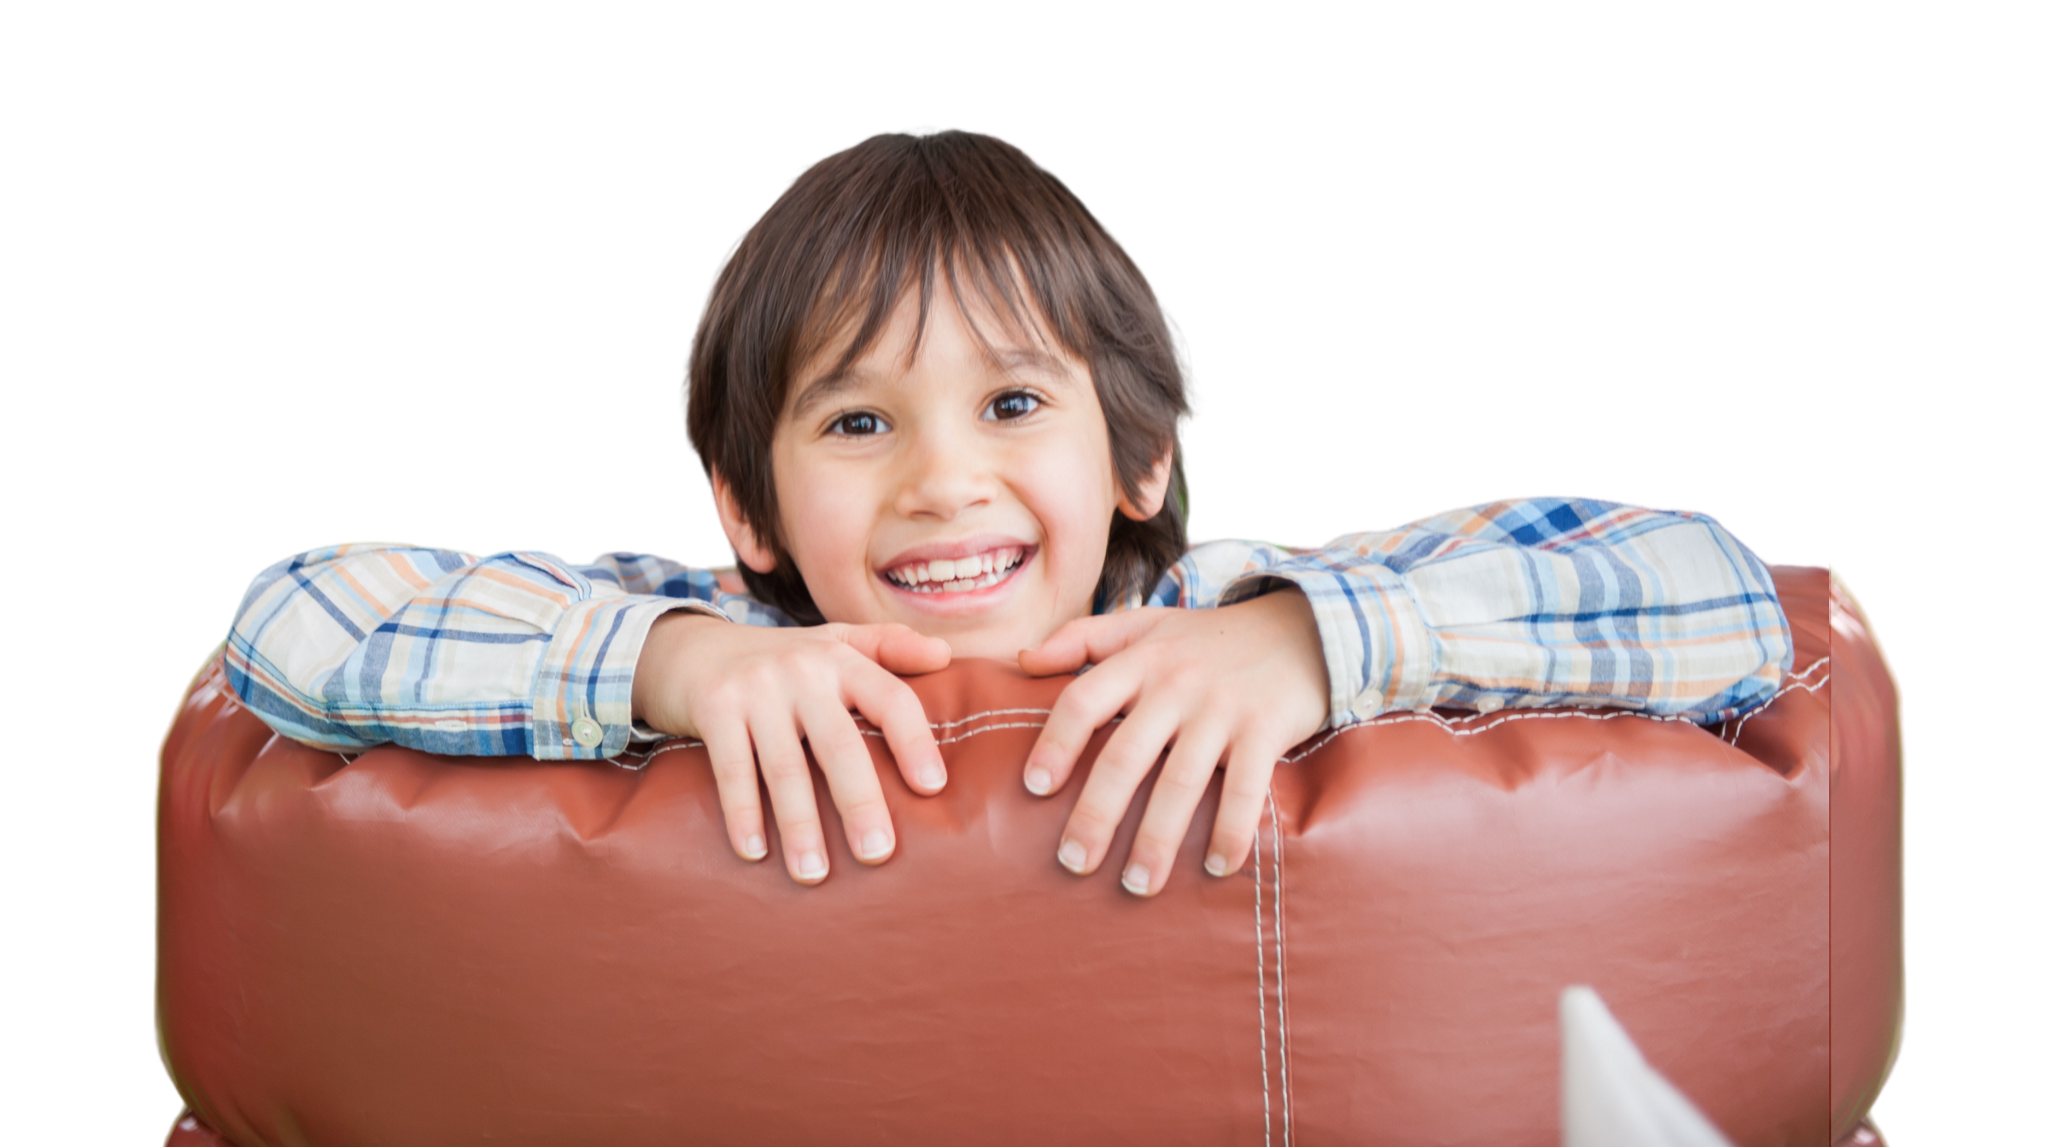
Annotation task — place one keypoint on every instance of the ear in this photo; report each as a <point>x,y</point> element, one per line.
<point>745,544</point>
<point>1142,504</point>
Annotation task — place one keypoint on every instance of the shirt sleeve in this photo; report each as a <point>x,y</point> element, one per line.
<point>1531,603</point>
<point>512,654</point>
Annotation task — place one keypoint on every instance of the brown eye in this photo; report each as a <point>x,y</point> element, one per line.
<point>859,424</point>
<point>1012,404</point>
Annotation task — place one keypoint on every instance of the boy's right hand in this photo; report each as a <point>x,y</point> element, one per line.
<point>752,693</point>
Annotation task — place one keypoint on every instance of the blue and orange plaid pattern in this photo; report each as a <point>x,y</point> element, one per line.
<point>1531,603</point>
<point>1535,602</point>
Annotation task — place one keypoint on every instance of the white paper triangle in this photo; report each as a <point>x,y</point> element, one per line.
<point>1612,1097</point>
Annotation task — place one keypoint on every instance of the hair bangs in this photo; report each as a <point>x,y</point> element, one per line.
<point>989,277</point>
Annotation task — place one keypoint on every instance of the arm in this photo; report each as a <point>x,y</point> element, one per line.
<point>521,653</point>
<point>1540,602</point>
<point>508,655</point>
<point>1525,604</point>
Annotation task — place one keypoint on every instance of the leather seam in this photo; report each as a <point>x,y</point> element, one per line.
<point>1280,975</point>
<point>1259,935</point>
<point>1448,725</point>
<point>675,743</point>
<point>1410,718</point>
<point>1795,682</point>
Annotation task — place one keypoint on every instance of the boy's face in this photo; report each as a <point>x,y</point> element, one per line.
<point>966,492</point>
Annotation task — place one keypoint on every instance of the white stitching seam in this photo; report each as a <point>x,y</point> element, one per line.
<point>691,743</point>
<point>1259,934</point>
<point>1783,687</point>
<point>1447,724</point>
<point>987,713</point>
<point>1736,737</point>
<point>1803,674</point>
<point>1280,974</point>
<point>971,732</point>
<point>1441,723</point>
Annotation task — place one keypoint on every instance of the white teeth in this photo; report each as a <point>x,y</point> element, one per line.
<point>959,575</point>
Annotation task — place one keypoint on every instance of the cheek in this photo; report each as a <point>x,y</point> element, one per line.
<point>825,520</point>
<point>1072,492</point>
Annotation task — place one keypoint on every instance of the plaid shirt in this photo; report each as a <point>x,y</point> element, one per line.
<point>1537,602</point>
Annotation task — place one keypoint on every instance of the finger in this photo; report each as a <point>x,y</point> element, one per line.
<point>850,775</point>
<point>1087,641</point>
<point>789,791</point>
<point>1084,707</point>
<point>739,790</point>
<point>897,648</point>
<point>890,705</point>
<point>1182,781</point>
<point>1130,754</point>
<point>1246,780</point>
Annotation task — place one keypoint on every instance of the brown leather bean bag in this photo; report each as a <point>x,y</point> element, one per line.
<point>402,949</point>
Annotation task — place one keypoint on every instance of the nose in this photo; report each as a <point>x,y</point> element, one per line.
<point>945,473</point>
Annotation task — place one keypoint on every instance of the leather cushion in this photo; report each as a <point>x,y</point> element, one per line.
<point>405,949</point>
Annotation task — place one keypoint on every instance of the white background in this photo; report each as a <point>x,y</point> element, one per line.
<point>271,279</point>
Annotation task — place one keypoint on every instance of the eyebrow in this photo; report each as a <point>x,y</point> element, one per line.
<point>1012,361</point>
<point>819,390</point>
<point>822,389</point>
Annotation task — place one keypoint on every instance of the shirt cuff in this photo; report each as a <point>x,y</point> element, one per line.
<point>1380,653</point>
<point>582,699</point>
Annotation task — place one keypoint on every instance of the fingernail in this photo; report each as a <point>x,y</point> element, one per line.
<point>754,848</point>
<point>1073,856</point>
<point>933,777</point>
<point>810,866</point>
<point>1137,880</point>
<point>1038,781</point>
<point>874,844</point>
<point>1215,865</point>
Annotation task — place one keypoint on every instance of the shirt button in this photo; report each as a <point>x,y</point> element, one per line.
<point>1368,703</point>
<point>1489,705</point>
<point>588,733</point>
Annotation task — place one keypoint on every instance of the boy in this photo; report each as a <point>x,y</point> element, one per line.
<point>939,408</point>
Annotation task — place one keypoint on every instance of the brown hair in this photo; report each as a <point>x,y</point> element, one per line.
<point>845,243</point>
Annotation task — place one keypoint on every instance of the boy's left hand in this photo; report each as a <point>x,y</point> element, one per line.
<point>1235,686</point>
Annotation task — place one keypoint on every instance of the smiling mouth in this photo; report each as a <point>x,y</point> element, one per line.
<point>960,575</point>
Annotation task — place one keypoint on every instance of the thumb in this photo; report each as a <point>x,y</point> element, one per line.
<point>898,648</point>
<point>1087,641</point>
